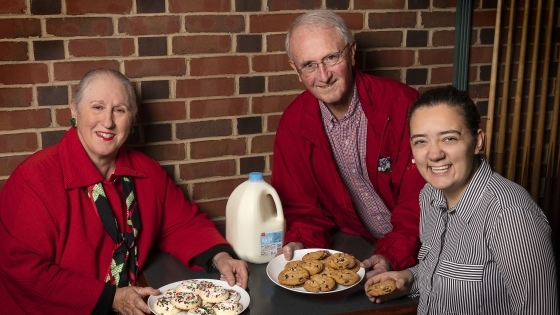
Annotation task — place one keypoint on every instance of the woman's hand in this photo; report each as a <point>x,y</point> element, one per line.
<point>378,265</point>
<point>130,300</point>
<point>403,280</point>
<point>288,250</point>
<point>233,271</point>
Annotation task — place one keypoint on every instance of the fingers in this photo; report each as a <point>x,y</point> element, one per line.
<point>233,271</point>
<point>129,300</point>
<point>288,249</point>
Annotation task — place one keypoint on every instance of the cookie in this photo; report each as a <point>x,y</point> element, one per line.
<point>200,311</point>
<point>313,266</point>
<point>228,308</point>
<point>316,255</point>
<point>185,300</point>
<point>319,283</point>
<point>293,276</point>
<point>163,306</point>
<point>234,296</point>
<point>356,267</point>
<point>382,288</point>
<point>342,261</point>
<point>214,294</point>
<point>346,277</point>
<point>293,263</point>
<point>188,286</point>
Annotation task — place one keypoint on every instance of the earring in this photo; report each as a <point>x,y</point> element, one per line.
<point>73,122</point>
<point>132,130</point>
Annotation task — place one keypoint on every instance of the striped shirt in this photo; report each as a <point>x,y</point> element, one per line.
<point>490,254</point>
<point>348,141</point>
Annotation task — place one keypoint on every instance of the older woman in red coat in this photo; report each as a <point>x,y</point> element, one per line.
<point>78,219</point>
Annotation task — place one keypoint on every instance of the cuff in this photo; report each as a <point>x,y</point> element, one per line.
<point>204,259</point>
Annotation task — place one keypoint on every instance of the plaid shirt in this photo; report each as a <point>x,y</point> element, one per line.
<point>348,141</point>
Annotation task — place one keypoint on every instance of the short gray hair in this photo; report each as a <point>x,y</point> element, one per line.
<point>91,75</point>
<point>320,18</point>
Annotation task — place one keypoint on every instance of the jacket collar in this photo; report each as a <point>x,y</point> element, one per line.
<point>79,171</point>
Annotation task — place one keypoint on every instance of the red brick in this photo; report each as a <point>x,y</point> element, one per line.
<point>269,62</point>
<point>205,87</point>
<point>218,148</point>
<point>162,111</point>
<point>264,23</point>
<point>165,152</point>
<point>435,56</point>
<point>98,6</point>
<point>287,82</point>
<point>149,25</point>
<point>100,47</point>
<point>14,28</point>
<point>379,39</point>
<point>82,26</point>
<point>75,70</point>
<point>9,163</point>
<point>271,103</point>
<point>207,108</point>
<point>280,5</point>
<point>215,24</point>
<point>201,44</point>
<point>24,73</point>
<point>484,18</point>
<point>272,122</point>
<point>262,144</point>
<point>207,169</point>
<point>155,67</point>
<point>219,65</point>
<point>13,7</point>
<point>215,189</point>
<point>18,142</point>
<point>13,51</point>
<point>15,97</point>
<point>389,58</point>
<point>63,116</point>
<point>379,4</point>
<point>443,38</point>
<point>484,55</point>
<point>23,119</point>
<point>180,6</point>
<point>441,75</point>
<point>215,208</point>
<point>276,42</point>
<point>392,20</point>
<point>438,19</point>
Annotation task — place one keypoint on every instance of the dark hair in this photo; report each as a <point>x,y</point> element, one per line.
<point>94,74</point>
<point>454,98</point>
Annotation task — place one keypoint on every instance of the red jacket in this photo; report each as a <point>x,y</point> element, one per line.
<point>314,197</point>
<point>54,249</point>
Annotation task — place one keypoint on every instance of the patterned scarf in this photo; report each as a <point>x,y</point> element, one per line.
<point>124,265</point>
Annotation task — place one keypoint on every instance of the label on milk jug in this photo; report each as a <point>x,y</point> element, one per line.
<point>271,243</point>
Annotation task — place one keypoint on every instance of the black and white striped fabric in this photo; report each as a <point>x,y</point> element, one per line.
<point>490,254</point>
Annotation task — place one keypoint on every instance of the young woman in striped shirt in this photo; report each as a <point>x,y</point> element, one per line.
<point>486,245</point>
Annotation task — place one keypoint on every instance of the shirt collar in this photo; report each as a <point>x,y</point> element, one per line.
<point>78,169</point>
<point>468,203</point>
<point>329,119</point>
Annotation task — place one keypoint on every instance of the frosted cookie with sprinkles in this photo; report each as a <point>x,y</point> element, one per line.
<point>234,296</point>
<point>228,308</point>
<point>185,300</point>
<point>214,294</point>
<point>163,306</point>
<point>188,286</point>
<point>200,311</point>
<point>203,285</point>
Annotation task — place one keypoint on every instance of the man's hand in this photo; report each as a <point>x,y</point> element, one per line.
<point>130,300</point>
<point>378,265</point>
<point>233,271</point>
<point>288,250</point>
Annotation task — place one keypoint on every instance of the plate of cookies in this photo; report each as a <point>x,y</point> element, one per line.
<point>199,297</point>
<point>316,270</point>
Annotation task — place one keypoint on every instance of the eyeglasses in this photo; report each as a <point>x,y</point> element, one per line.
<point>333,59</point>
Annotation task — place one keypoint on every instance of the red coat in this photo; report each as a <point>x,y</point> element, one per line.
<point>314,197</point>
<point>55,251</point>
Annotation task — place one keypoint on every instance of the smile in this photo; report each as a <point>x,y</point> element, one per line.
<point>105,136</point>
<point>440,169</point>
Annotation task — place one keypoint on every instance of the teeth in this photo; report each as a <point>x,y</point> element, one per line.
<point>439,169</point>
<point>105,135</point>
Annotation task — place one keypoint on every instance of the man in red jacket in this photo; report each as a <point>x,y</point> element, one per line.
<point>342,156</point>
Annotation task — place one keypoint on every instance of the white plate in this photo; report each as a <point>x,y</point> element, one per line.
<point>277,264</point>
<point>245,299</point>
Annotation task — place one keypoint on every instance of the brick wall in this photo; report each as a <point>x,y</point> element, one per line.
<point>212,75</point>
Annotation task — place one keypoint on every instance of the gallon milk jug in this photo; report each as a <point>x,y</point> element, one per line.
<point>255,224</point>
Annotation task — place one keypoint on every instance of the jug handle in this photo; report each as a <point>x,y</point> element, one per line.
<point>278,204</point>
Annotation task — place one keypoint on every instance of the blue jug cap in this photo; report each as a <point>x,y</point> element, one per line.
<point>255,176</point>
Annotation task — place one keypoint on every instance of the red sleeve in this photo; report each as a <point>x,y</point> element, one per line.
<point>307,222</point>
<point>29,237</point>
